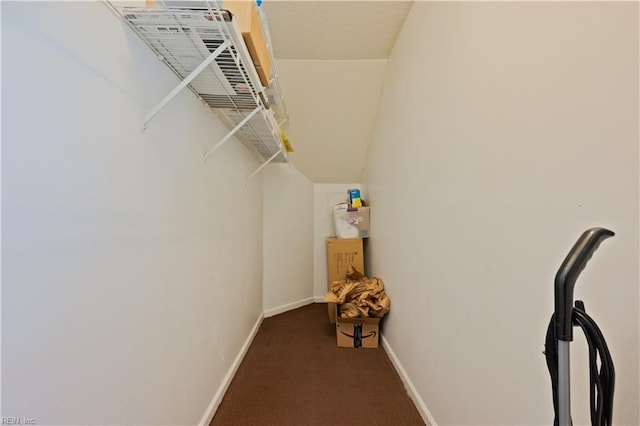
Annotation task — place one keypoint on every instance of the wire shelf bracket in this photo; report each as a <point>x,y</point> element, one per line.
<point>263,165</point>
<point>231,133</point>
<point>184,83</point>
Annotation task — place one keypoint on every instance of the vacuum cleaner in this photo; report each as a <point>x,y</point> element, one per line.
<point>560,335</point>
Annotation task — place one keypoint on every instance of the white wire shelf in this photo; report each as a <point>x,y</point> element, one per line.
<point>260,133</point>
<point>203,46</point>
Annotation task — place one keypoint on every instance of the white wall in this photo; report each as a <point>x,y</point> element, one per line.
<point>288,238</point>
<point>332,105</point>
<point>325,196</point>
<point>132,271</point>
<point>504,131</point>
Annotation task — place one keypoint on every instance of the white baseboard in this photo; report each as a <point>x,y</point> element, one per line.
<point>217,398</point>
<point>408,384</point>
<point>289,306</point>
<point>318,299</point>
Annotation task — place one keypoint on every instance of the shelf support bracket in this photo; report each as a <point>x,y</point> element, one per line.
<point>264,164</point>
<point>193,74</point>
<point>284,121</point>
<point>231,133</point>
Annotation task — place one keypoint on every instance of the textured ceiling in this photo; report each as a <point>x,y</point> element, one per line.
<point>330,30</point>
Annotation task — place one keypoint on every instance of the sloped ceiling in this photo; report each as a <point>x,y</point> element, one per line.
<point>330,58</point>
<point>332,106</point>
<point>334,30</point>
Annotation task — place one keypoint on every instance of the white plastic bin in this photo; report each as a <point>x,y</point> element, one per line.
<point>351,223</point>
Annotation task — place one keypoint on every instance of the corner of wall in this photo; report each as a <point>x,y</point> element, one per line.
<point>288,238</point>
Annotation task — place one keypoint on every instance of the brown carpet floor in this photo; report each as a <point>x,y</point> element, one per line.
<point>294,374</point>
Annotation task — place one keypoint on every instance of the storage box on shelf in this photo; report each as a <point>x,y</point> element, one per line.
<point>248,19</point>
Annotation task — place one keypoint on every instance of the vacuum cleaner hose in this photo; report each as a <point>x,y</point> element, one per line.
<point>602,378</point>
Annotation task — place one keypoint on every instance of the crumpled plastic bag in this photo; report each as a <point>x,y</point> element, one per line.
<point>359,296</point>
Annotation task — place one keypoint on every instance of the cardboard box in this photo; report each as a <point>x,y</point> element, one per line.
<point>354,197</point>
<point>341,254</point>
<point>247,18</point>
<point>358,332</point>
<point>351,222</point>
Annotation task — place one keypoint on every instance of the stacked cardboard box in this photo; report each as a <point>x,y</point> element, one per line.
<point>341,254</point>
<point>358,332</point>
<point>361,303</point>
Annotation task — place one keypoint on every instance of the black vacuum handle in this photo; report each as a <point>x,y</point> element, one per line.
<point>567,275</point>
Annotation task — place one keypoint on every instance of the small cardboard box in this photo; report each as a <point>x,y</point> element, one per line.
<point>358,332</point>
<point>340,255</point>
<point>248,20</point>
